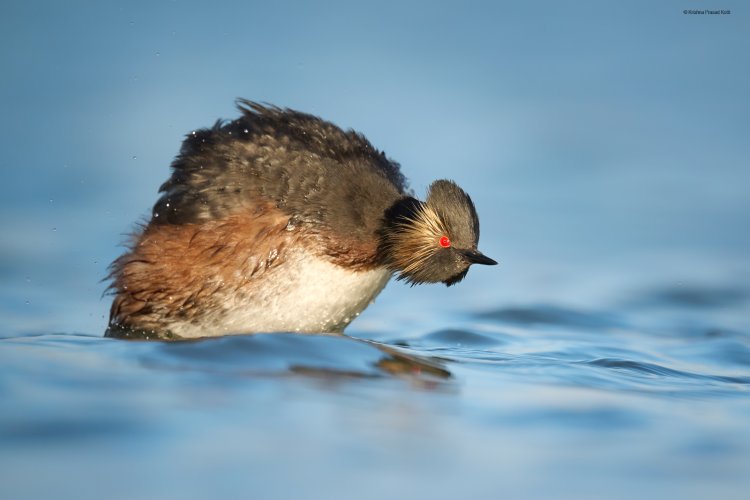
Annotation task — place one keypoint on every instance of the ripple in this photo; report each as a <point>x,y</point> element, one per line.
<point>66,429</point>
<point>661,371</point>
<point>602,418</point>
<point>720,351</point>
<point>460,338</point>
<point>553,315</point>
<point>690,297</point>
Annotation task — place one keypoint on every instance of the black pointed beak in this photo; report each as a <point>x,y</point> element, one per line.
<point>477,257</point>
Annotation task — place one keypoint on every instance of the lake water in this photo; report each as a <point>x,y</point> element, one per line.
<point>607,356</point>
<point>648,396</point>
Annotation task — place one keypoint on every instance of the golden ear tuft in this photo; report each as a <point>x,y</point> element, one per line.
<point>415,240</point>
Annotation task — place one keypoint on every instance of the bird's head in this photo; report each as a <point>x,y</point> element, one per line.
<point>432,241</point>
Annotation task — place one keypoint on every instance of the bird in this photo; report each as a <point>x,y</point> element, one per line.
<point>280,221</point>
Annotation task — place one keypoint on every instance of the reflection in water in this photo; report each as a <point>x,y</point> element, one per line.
<point>280,353</point>
<point>397,362</point>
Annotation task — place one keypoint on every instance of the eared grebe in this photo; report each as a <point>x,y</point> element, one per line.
<point>280,221</point>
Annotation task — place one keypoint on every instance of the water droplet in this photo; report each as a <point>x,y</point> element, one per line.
<point>132,23</point>
<point>28,280</point>
<point>54,229</point>
<point>135,157</point>
<point>27,302</point>
<point>51,200</point>
<point>157,54</point>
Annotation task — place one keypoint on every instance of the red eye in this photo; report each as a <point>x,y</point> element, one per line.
<point>445,242</point>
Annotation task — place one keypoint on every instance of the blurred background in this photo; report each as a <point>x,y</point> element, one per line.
<point>605,145</point>
<point>599,140</point>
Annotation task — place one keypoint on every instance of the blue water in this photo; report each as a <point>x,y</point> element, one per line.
<point>607,356</point>
<point>647,398</point>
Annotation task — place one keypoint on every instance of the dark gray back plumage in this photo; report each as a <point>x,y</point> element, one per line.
<point>323,177</point>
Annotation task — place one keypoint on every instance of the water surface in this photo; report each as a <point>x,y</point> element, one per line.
<point>533,400</point>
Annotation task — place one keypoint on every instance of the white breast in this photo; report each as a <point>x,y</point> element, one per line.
<point>305,294</point>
